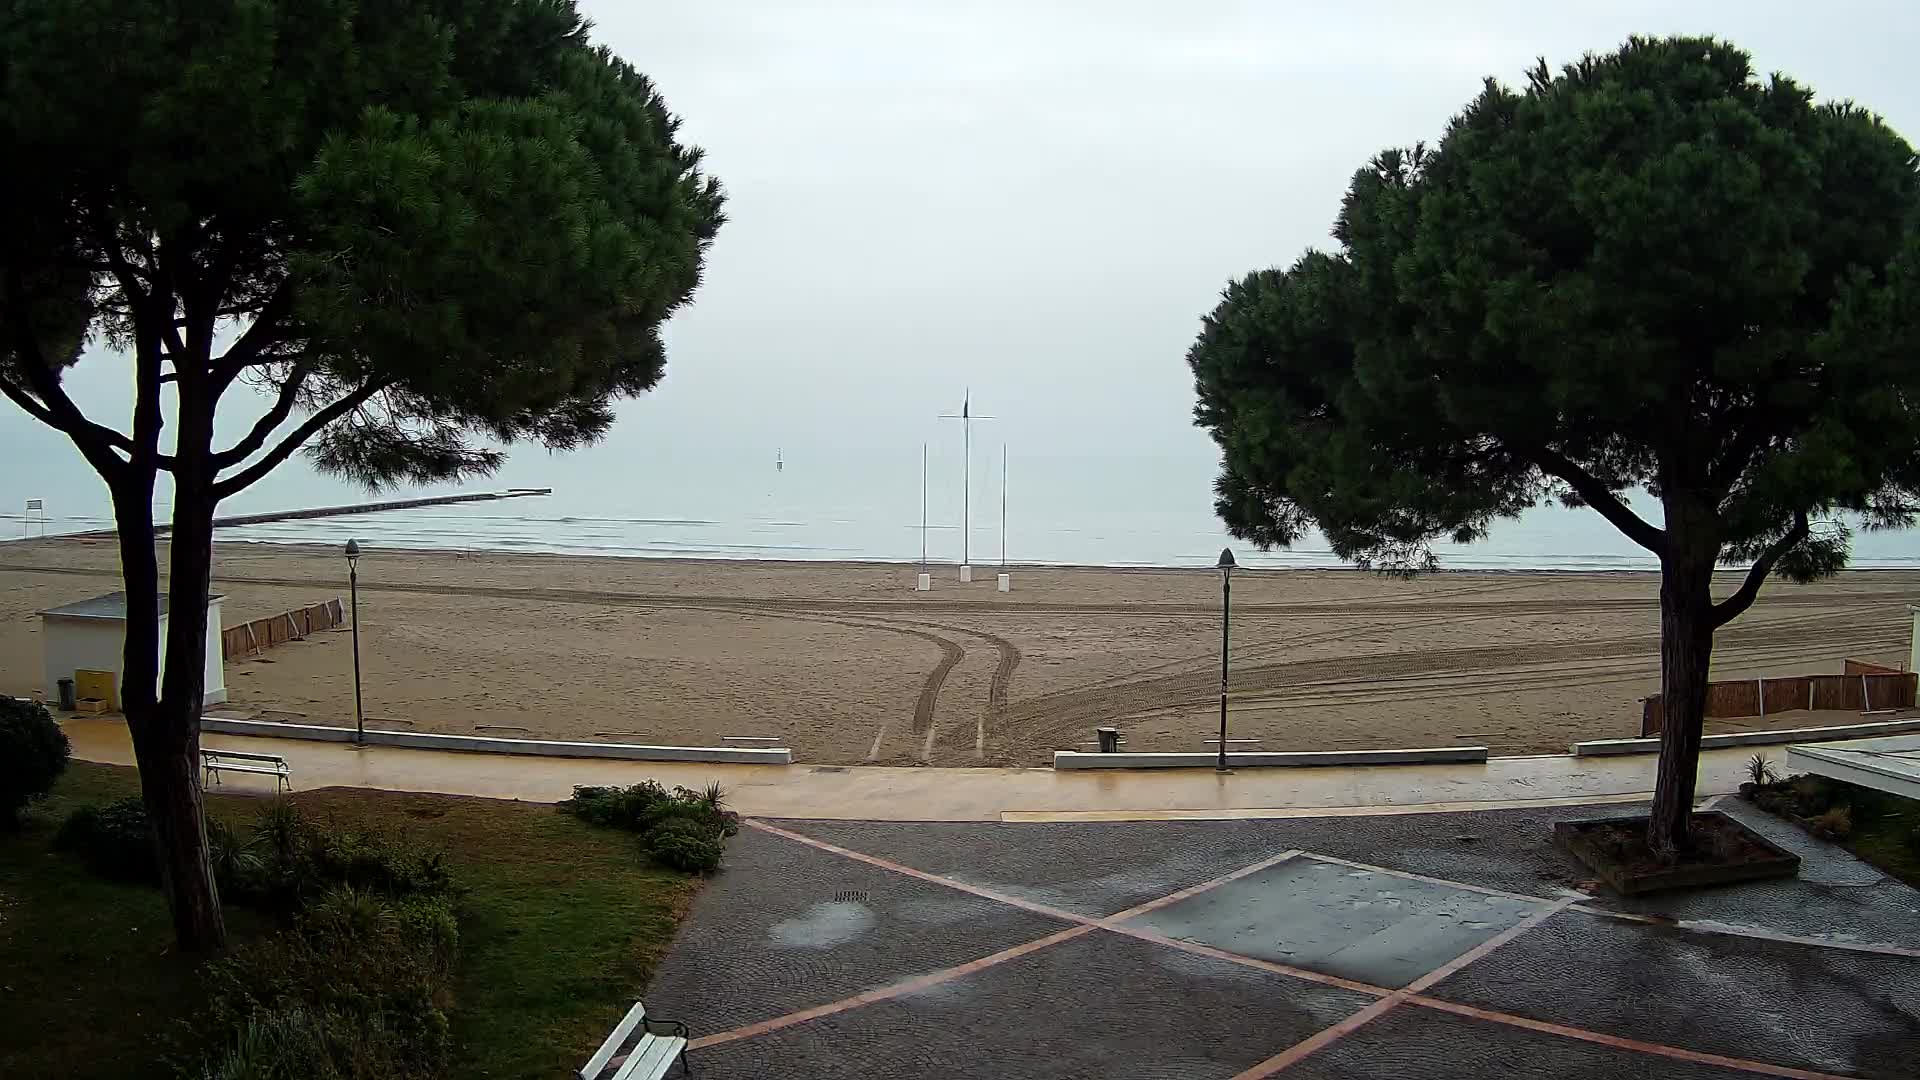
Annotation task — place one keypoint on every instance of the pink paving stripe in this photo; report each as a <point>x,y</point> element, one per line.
<point>884,864</point>
<point>1195,890</point>
<point>1389,999</point>
<point>1618,1043</point>
<point>1429,880</point>
<point>1198,949</point>
<point>909,986</point>
<point>1326,1037</point>
<point>1480,951</point>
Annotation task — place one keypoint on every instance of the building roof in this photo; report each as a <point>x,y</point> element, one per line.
<point>111,606</point>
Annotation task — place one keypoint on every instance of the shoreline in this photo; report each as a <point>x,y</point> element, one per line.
<point>314,548</point>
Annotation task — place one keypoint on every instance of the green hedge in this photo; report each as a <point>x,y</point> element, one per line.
<point>681,829</point>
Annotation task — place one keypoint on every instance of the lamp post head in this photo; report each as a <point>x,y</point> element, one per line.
<point>1226,563</point>
<point>353,551</point>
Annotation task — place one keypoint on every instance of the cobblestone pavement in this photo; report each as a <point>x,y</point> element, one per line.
<point>1417,946</point>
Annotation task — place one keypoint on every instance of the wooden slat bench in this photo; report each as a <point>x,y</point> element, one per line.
<point>215,762</point>
<point>646,1057</point>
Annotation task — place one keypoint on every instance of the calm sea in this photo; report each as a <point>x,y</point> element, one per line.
<point>791,504</point>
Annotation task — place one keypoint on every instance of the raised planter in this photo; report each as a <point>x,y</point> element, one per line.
<point>1628,870</point>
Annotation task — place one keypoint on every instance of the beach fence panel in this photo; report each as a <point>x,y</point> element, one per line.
<point>252,638</point>
<point>1865,687</point>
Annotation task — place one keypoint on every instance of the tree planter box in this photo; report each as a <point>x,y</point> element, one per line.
<point>1593,841</point>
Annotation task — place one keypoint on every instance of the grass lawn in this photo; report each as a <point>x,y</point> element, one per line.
<point>560,926</point>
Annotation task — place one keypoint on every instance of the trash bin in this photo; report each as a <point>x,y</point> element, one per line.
<point>67,701</point>
<point>1109,739</point>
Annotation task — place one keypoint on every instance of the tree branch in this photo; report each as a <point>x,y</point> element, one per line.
<point>264,427</point>
<point>1729,609</point>
<point>1595,494</point>
<point>263,332</point>
<point>240,481</point>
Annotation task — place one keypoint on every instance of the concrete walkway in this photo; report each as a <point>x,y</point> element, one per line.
<point>1423,947</point>
<point>878,793</point>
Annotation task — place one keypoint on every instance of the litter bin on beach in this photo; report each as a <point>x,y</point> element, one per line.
<point>67,701</point>
<point>1109,739</point>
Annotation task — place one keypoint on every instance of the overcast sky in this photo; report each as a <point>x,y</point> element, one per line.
<point>1040,200</point>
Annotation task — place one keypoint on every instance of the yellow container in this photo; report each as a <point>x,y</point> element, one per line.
<point>99,686</point>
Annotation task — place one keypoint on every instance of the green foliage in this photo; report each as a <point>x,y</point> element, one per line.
<point>463,205</point>
<point>685,843</point>
<point>1760,770</point>
<point>682,829</point>
<point>354,989</point>
<point>115,841</point>
<point>33,754</point>
<point>1652,269</point>
<point>559,924</point>
<point>630,808</point>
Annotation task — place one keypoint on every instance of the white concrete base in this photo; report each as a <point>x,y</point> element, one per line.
<point>1258,759</point>
<point>1006,583</point>
<point>966,574</point>
<point>421,740</point>
<point>923,583</point>
<point>1605,747</point>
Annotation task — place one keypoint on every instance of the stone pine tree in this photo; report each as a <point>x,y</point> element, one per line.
<point>1651,271</point>
<point>393,235</point>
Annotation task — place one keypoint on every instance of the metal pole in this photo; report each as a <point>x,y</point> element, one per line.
<point>359,720</point>
<point>1003,506</point>
<point>923,506</point>
<point>1226,607</point>
<point>966,487</point>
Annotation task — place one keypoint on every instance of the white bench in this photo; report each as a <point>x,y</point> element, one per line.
<point>647,1057</point>
<point>215,762</point>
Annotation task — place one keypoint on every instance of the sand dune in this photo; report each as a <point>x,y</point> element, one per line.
<point>845,663</point>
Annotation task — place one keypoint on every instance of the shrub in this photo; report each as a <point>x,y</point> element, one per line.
<point>353,989</point>
<point>33,754</point>
<point>685,843</point>
<point>1760,770</point>
<point>114,841</point>
<point>629,808</point>
<point>1833,824</point>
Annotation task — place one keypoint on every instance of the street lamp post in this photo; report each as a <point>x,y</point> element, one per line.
<point>1226,608</point>
<point>353,591</point>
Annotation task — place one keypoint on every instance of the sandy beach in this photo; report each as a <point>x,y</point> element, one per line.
<point>846,664</point>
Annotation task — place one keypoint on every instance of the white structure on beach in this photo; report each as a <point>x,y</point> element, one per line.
<point>90,635</point>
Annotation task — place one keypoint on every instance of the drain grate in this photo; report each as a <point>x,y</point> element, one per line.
<point>852,896</point>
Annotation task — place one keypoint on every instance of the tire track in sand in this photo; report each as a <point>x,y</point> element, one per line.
<point>951,653</point>
<point>998,691</point>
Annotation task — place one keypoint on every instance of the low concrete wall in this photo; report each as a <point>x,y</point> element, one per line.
<point>1605,747</point>
<point>1258,759</point>
<point>421,740</point>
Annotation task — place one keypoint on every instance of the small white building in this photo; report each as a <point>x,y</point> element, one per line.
<point>90,635</point>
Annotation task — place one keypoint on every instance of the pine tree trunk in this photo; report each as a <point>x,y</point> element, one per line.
<point>1686,653</point>
<point>168,750</point>
<point>166,737</point>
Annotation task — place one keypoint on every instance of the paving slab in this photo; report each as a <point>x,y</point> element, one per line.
<point>1421,1044</point>
<point>1098,1006</point>
<point>784,927</point>
<point>1814,1008</point>
<point>1357,924</point>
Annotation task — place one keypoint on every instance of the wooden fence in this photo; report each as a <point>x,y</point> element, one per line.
<point>250,639</point>
<point>1864,688</point>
